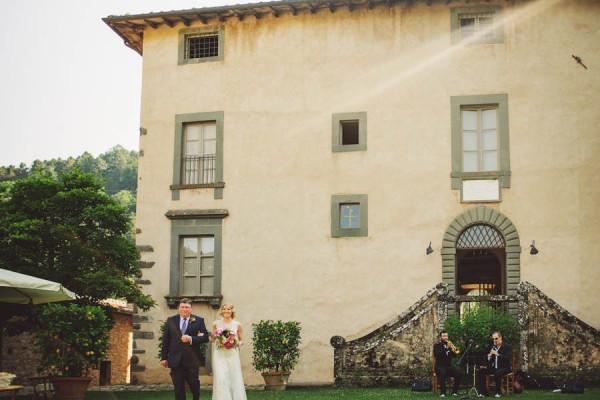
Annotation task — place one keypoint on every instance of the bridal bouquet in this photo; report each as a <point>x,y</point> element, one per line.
<point>225,339</point>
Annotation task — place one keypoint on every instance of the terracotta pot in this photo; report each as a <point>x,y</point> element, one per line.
<point>276,380</point>
<point>67,388</point>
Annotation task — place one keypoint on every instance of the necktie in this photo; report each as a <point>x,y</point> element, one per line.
<point>184,325</point>
<point>496,360</point>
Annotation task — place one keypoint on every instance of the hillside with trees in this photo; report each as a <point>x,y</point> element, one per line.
<point>116,169</point>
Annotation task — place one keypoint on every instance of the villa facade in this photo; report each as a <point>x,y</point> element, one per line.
<point>330,162</point>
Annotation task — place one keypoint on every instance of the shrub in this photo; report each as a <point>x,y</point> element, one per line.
<point>276,345</point>
<point>478,323</point>
<point>73,338</point>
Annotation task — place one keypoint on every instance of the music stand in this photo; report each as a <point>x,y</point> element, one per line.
<point>474,387</point>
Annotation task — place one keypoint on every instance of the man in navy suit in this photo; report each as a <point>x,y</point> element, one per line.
<point>180,350</point>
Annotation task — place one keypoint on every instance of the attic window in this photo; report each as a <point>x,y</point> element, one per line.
<point>202,45</point>
<point>476,23</point>
<point>199,45</point>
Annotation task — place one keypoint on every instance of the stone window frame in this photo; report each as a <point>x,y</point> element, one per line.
<point>336,131</point>
<point>180,121</point>
<point>498,31</point>
<point>336,201</point>
<point>182,43</point>
<point>457,176</point>
<point>186,223</point>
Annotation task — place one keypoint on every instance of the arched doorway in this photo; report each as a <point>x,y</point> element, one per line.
<point>475,260</point>
<point>480,266</point>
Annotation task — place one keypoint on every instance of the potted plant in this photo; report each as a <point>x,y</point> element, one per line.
<point>73,339</point>
<point>276,348</point>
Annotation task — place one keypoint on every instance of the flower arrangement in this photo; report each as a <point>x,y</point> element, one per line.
<point>73,338</point>
<point>276,345</point>
<point>226,339</point>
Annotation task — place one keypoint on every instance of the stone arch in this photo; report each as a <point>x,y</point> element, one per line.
<point>482,215</point>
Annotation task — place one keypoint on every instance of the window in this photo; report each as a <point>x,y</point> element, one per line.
<point>198,45</point>
<point>472,24</point>
<point>198,153</point>
<point>349,132</point>
<point>196,256</point>
<point>201,45</point>
<point>477,24</point>
<point>197,265</point>
<point>480,139</point>
<point>349,215</point>
<point>200,149</point>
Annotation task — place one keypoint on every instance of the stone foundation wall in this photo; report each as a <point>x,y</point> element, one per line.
<point>21,356</point>
<point>394,354</point>
<point>554,343</point>
<point>557,344</point>
<point>120,350</point>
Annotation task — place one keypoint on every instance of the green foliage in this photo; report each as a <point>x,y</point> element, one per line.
<point>116,169</point>
<point>73,338</point>
<point>276,345</point>
<point>70,231</point>
<point>478,323</point>
<point>163,326</point>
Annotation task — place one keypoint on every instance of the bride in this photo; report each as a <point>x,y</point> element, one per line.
<point>228,382</point>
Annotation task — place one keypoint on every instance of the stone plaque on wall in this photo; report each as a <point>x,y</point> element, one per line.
<point>477,190</point>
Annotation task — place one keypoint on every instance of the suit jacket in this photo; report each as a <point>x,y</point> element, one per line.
<point>504,357</point>
<point>174,350</point>
<point>443,355</point>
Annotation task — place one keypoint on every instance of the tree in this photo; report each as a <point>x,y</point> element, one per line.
<point>69,230</point>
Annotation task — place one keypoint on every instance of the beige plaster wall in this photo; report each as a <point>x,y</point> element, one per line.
<point>278,85</point>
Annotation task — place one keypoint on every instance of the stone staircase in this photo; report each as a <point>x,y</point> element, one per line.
<point>554,344</point>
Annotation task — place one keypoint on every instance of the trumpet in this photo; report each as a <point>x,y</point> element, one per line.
<point>453,347</point>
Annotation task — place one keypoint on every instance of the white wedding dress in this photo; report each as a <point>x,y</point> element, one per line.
<point>228,382</point>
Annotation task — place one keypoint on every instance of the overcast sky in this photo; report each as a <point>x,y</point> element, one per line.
<point>68,84</point>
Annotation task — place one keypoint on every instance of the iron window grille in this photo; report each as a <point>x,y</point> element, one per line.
<point>480,236</point>
<point>202,45</point>
<point>199,170</point>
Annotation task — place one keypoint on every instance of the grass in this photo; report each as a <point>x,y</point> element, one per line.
<point>332,394</point>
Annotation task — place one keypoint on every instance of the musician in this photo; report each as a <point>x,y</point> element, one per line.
<point>444,351</point>
<point>499,363</point>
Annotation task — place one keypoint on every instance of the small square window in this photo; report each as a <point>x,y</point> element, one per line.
<point>477,24</point>
<point>349,132</point>
<point>349,215</point>
<point>201,45</point>
<point>198,45</point>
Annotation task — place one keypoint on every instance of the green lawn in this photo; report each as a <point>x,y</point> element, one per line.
<point>333,394</point>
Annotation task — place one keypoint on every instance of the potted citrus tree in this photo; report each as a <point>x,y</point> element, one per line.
<point>276,348</point>
<point>73,339</point>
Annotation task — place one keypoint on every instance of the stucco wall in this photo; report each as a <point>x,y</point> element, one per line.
<point>279,84</point>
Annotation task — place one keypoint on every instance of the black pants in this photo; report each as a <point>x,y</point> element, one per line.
<point>182,374</point>
<point>443,373</point>
<point>482,379</point>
